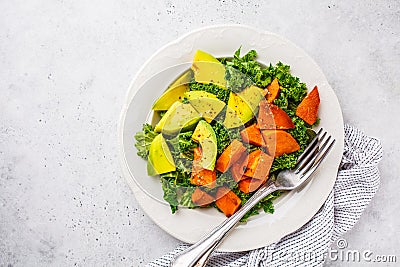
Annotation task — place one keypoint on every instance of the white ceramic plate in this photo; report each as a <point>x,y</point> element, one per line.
<point>292,210</point>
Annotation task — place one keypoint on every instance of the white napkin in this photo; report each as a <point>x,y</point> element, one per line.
<point>356,184</point>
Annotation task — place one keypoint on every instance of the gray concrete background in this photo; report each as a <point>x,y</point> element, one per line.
<point>64,70</point>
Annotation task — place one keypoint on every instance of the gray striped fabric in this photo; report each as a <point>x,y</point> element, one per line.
<point>356,184</point>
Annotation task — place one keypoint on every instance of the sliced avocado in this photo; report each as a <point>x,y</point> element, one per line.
<point>252,95</point>
<point>204,56</point>
<point>207,107</point>
<point>150,169</point>
<point>169,113</point>
<point>232,119</point>
<point>174,92</point>
<point>197,94</point>
<point>207,69</point>
<point>205,136</point>
<point>244,104</point>
<point>238,110</point>
<point>160,158</point>
<point>179,117</point>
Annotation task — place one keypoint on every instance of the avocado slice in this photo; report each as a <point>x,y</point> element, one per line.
<point>205,136</point>
<point>252,95</point>
<point>239,112</point>
<point>150,169</point>
<point>197,94</point>
<point>179,117</point>
<point>232,119</point>
<point>160,158</point>
<point>169,113</point>
<point>207,107</point>
<point>207,69</point>
<point>244,105</point>
<point>174,92</point>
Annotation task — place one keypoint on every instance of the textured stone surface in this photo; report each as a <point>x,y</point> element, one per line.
<point>64,70</point>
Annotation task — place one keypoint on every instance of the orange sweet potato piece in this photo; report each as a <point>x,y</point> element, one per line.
<point>201,198</point>
<point>249,184</point>
<point>197,153</point>
<point>281,118</point>
<point>227,201</point>
<point>308,108</point>
<point>259,165</point>
<point>279,142</point>
<point>265,119</point>
<point>230,155</point>
<point>270,141</point>
<point>252,135</point>
<point>196,160</point>
<point>271,116</point>
<point>204,177</point>
<point>239,168</point>
<point>201,176</point>
<point>272,91</point>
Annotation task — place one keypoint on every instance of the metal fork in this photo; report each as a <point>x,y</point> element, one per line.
<point>198,254</point>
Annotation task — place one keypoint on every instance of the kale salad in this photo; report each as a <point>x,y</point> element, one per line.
<point>226,127</point>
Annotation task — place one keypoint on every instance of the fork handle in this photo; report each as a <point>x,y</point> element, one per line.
<point>198,254</point>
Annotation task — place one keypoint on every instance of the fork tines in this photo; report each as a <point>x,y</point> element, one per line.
<point>314,154</point>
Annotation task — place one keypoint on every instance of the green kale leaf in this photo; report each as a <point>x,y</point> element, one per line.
<point>186,197</point>
<point>221,93</point>
<point>224,136</point>
<point>236,81</point>
<point>251,69</point>
<point>170,191</point>
<point>177,189</point>
<point>292,90</point>
<point>144,139</point>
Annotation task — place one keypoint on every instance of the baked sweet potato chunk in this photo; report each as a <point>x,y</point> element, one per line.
<point>239,167</point>
<point>252,135</point>
<point>227,201</point>
<point>204,177</point>
<point>201,198</point>
<point>259,165</point>
<point>230,155</point>
<point>271,116</point>
<point>196,159</point>
<point>250,184</point>
<point>272,91</point>
<point>307,110</point>
<point>201,176</point>
<point>279,142</point>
